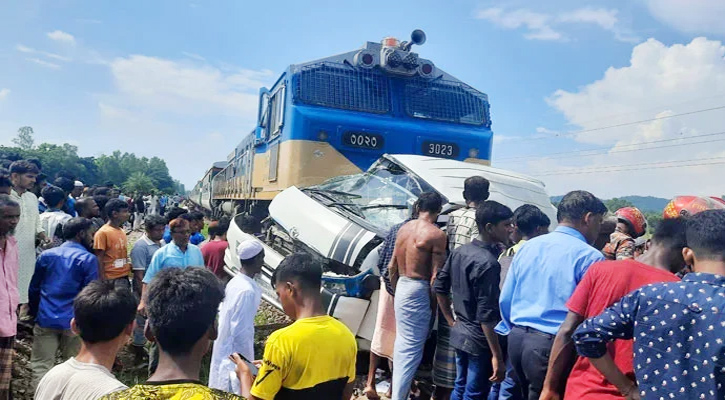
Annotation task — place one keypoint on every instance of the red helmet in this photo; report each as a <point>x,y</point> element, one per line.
<point>634,218</point>
<point>683,206</point>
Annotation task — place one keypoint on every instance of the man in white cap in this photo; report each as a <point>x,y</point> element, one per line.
<point>77,189</point>
<point>236,317</point>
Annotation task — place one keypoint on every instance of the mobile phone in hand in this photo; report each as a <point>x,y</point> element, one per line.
<point>252,368</point>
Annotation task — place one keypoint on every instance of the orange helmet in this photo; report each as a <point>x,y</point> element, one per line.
<point>634,218</point>
<point>683,206</point>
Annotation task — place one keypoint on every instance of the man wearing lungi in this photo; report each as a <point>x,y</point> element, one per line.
<point>420,250</point>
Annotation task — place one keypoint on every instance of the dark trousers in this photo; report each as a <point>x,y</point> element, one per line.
<point>508,389</point>
<point>472,373</point>
<point>529,352</point>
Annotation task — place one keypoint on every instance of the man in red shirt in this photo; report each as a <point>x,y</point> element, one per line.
<point>603,285</point>
<point>213,250</point>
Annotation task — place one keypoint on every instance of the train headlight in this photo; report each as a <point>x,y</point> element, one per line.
<point>426,68</point>
<point>473,153</point>
<point>410,61</point>
<point>366,59</point>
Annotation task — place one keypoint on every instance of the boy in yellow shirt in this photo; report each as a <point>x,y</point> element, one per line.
<point>314,358</point>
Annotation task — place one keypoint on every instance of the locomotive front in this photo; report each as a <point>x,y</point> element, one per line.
<point>338,115</point>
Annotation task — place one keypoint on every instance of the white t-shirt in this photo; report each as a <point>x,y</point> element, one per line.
<point>75,380</point>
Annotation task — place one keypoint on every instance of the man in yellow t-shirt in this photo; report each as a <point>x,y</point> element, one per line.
<point>110,244</point>
<point>314,358</point>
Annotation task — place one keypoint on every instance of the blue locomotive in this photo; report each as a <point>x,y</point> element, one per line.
<point>337,115</point>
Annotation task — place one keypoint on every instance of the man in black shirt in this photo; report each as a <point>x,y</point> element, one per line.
<point>472,273</point>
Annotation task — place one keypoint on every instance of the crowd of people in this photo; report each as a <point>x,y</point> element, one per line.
<point>59,237</point>
<point>589,310</point>
<point>582,312</point>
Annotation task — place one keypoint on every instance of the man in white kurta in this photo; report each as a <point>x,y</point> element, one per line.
<point>22,175</point>
<point>236,318</point>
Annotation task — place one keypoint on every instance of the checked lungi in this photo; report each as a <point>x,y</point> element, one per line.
<point>6,365</point>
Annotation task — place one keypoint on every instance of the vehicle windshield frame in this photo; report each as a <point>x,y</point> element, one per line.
<point>363,213</point>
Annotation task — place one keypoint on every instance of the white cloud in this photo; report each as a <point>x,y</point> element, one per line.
<point>44,63</point>
<point>659,83</point>
<point>29,50</point>
<point>538,25</point>
<point>110,111</point>
<point>543,26</point>
<point>63,37</point>
<point>498,139</point>
<point>24,49</point>
<point>605,19</point>
<point>203,109</point>
<point>544,132</point>
<point>183,88</point>
<point>193,55</point>
<point>4,92</point>
<point>541,133</point>
<point>692,16</point>
<point>215,136</point>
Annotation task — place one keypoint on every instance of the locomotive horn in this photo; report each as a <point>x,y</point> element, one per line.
<point>417,37</point>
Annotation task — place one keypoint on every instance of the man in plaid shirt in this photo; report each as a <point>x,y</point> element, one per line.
<point>462,227</point>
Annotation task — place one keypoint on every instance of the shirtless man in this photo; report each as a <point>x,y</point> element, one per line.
<point>420,250</point>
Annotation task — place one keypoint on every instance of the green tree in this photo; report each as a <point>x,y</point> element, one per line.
<point>57,158</point>
<point>139,182</point>
<point>178,187</point>
<point>109,168</point>
<point>653,219</point>
<point>159,172</point>
<point>616,203</point>
<point>91,174</point>
<point>116,167</point>
<point>25,140</point>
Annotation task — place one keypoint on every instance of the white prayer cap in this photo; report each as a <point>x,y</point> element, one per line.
<point>79,184</point>
<point>249,249</point>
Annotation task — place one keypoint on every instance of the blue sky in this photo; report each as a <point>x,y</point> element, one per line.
<point>179,79</point>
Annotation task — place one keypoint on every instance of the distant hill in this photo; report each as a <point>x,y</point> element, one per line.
<point>644,203</point>
<point>647,203</point>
